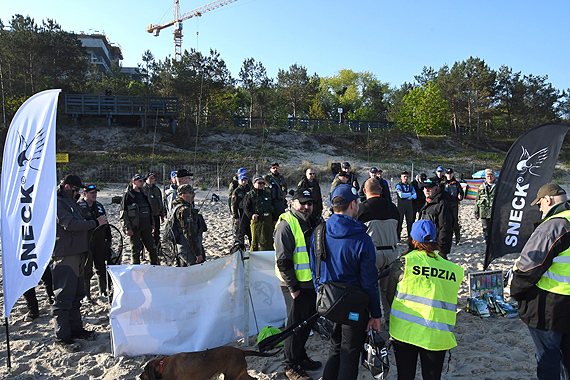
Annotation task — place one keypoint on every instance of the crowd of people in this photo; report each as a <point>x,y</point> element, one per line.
<point>360,237</point>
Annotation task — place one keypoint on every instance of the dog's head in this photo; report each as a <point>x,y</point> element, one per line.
<point>152,371</point>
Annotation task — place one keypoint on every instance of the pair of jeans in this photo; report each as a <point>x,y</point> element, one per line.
<point>552,351</point>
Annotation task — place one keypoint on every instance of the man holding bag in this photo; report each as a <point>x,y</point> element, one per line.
<point>350,259</point>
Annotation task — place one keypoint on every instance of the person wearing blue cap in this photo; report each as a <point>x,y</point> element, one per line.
<point>351,259</point>
<point>99,239</point>
<point>240,218</point>
<point>423,288</point>
<point>438,210</point>
<point>181,177</point>
<point>234,184</point>
<point>439,175</point>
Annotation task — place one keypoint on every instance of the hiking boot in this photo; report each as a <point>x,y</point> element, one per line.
<point>84,334</point>
<point>67,345</point>
<point>297,373</point>
<point>310,364</point>
<point>30,316</point>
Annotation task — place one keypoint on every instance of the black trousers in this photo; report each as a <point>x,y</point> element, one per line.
<point>407,356</point>
<point>406,211</point>
<point>344,355</point>
<point>68,286</point>
<point>298,310</point>
<point>156,234</point>
<point>455,213</point>
<point>242,228</point>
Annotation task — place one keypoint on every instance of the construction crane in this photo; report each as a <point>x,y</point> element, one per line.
<point>177,22</point>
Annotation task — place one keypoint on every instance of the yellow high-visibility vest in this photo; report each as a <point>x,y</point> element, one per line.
<point>300,255</point>
<point>557,278</point>
<point>424,309</point>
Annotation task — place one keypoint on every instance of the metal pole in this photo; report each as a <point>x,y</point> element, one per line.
<point>8,362</point>
<point>245,298</point>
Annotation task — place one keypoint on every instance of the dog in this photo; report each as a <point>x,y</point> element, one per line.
<point>202,365</point>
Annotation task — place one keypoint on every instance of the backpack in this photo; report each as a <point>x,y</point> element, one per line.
<point>171,237</point>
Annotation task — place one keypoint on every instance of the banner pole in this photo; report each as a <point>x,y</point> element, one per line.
<point>245,261</point>
<point>8,362</point>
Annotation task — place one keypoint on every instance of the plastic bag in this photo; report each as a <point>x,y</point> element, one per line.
<point>375,355</point>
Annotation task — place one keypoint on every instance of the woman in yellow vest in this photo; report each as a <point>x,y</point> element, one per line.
<point>423,289</point>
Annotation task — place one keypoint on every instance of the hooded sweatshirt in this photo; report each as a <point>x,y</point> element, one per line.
<point>351,258</point>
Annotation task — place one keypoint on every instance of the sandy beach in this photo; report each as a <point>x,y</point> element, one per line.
<point>491,348</point>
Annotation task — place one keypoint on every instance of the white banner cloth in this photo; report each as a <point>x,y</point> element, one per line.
<point>160,310</point>
<point>268,302</point>
<point>28,199</point>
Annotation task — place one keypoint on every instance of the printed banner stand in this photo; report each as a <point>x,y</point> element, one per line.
<point>28,198</point>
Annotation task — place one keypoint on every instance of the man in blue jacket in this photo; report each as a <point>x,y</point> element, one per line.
<point>351,259</point>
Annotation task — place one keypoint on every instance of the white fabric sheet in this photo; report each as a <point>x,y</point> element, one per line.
<point>165,310</point>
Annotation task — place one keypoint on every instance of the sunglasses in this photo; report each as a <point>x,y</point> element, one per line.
<point>75,189</point>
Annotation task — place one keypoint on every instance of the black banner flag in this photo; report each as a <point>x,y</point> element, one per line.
<point>529,164</point>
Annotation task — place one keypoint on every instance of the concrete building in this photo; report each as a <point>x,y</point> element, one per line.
<point>102,52</point>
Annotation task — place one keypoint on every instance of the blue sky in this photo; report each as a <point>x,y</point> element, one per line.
<point>393,40</point>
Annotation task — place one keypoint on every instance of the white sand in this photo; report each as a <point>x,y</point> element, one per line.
<point>492,348</point>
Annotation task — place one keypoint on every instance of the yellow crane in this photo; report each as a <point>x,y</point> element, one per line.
<point>177,22</point>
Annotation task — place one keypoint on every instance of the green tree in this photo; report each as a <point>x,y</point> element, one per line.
<point>256,84</point>
<point>424,111</point>
<point>298,88</point>
<point>359,94</point>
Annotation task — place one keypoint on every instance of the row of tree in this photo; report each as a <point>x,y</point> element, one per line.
<point>466,98</point>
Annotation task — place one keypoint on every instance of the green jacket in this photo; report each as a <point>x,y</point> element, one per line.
<point>257,202</point>
<point>484,200</point>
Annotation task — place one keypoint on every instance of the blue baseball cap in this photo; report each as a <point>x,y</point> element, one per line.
<point>439,169</point>
<point>242,176</point>
<point>173,174</point>
<point>346,192</point>
<point>241,171</point>
<point>423,231</point>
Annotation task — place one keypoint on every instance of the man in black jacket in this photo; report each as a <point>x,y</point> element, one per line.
<point>438,210</point>
<point>453,188</point>
<point>309,181</point>
<point>99,239</point>
<point>541,286</point>
<point>420,201</point>
<point>292,233</point>
<point>278,188</point>
<point>136,217</point>
<point>68,263</point>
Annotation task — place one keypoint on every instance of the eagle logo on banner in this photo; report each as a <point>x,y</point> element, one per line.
<point>532,162</point>
<point>32,151</point>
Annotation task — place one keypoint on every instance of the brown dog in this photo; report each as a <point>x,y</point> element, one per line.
<point>202,365</point>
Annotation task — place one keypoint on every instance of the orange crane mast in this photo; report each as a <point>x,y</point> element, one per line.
<point>178,19</point>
